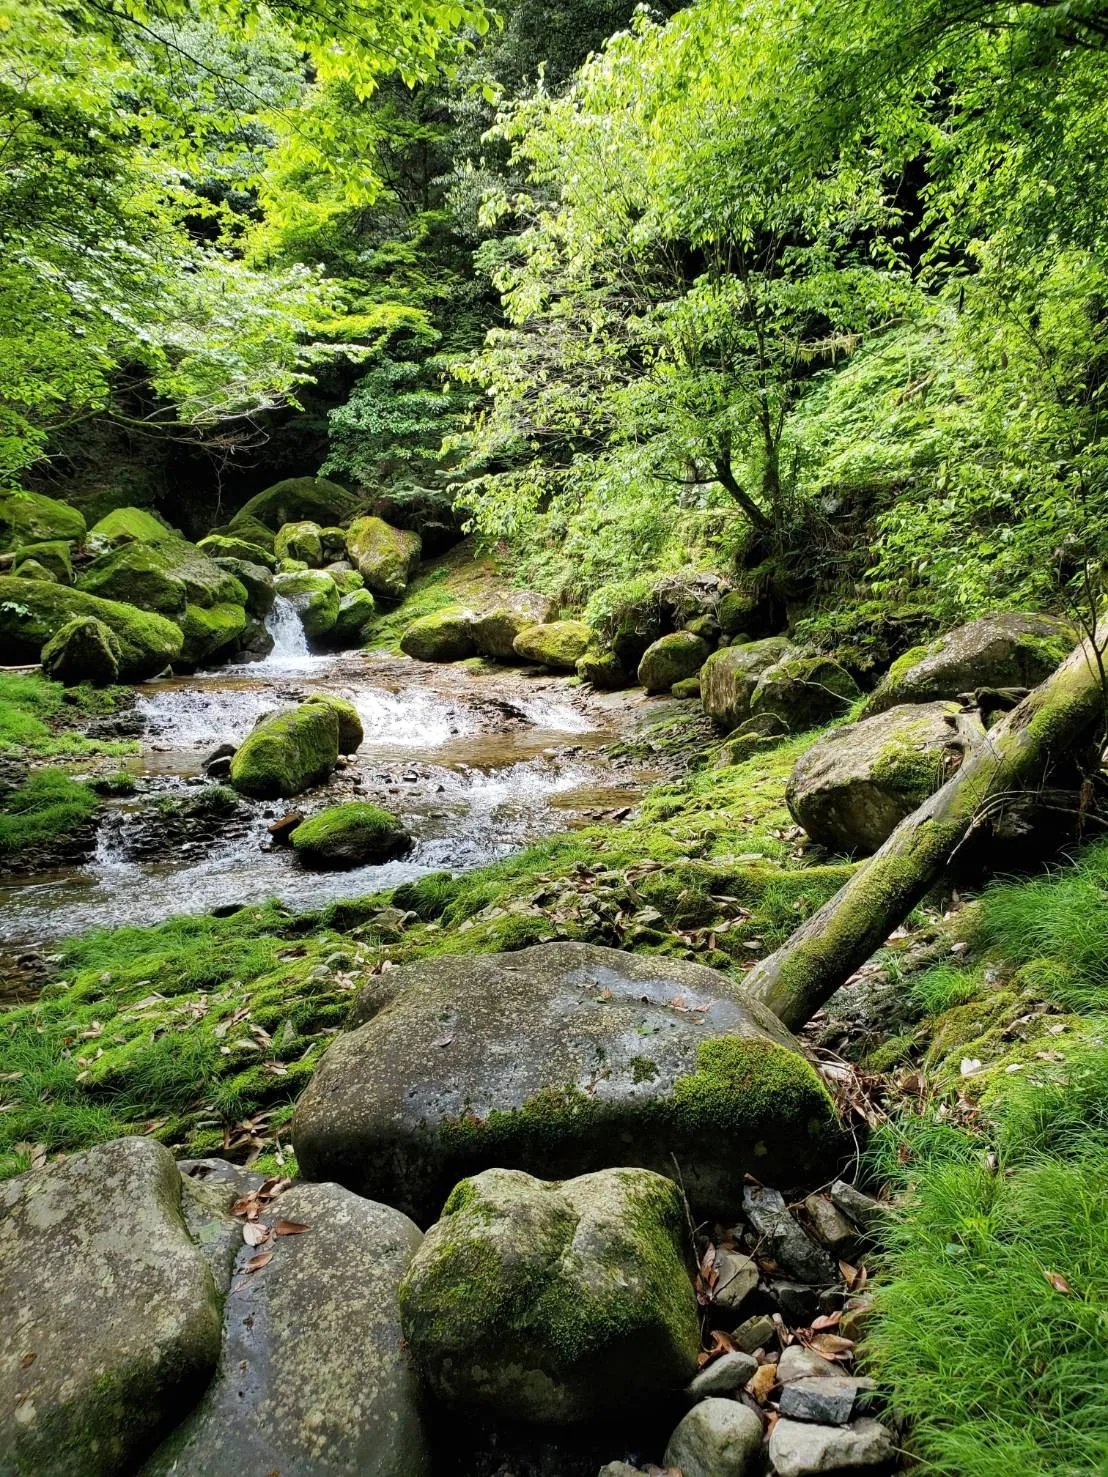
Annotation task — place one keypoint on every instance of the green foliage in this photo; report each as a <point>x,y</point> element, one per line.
<point>50,804</point>
<point>34,713</point>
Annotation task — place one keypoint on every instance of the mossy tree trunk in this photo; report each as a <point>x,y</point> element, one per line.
<point>1054,721</point>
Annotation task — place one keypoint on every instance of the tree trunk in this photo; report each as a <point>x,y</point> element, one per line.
<point>1054,720</point>
<point>728,481</point>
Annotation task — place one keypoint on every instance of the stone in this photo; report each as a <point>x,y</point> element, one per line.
<point>315,597</point>
<point>687,688</point>
<point>165,576</point>
<point>724,1375</point>
<point>559,644</point>
<point>351,732</point>
<point>357,610</point>
<point>53,555</point>
<point>492,1060</point>
<point>256,580</point>
<point>287,753</point>
<point>109,1314</point>
<point>385,557</point>
<point>1009,649</point>
<point>299,541</point>
<point>830,1226</point>
<point>283,827</point>
<point>296,499</point>
<point>131,525</point>
<point>706,627</point>
<point>443,636</point>
<point>350,835</point>
<point>753,1334</point>
<point>345,576</point>
<point>718,1438</point>
<point>856,1314</point>
<point>620,1469</point>
<point>313,1376</point>
<point>604,670</point>
<point>855,785</point>
<point>736,1278</point>
<point>728,679</point>
<point>219,546</point>
<point>672,658</point>
<point>209,1188</point>
<point>31,518</point>
<point>797,1449</point>
<point>799,1363</point>
<point>32,611</point>
<point>736,612</point>
<point>31,569</point>
<point>209,630</point>
<point>333,542</point>
<point>83,650</point>
<point>828,1400</point>
<point>866,1211</point>
<point>782,1239</point>
<point>553,1303</point>
<point>797,1302</point>
<point>251,531</point>
<point>804,692</point>
<point>495,631</point>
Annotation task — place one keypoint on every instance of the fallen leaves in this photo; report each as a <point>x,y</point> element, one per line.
<point>256,1263</point>
<point>289,1228</point>
<point>1059,1283</point>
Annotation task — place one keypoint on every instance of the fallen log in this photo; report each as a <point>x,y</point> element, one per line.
<point>1055,720</point>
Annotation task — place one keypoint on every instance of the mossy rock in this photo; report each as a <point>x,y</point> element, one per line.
<point>553,1303</point>
<point>31,569</point>
<point>299,541</point>
<point>351,732</point>
<point>442,636</point>
<point>728,679</point>
<point>222,546</point>
<point>165,577</point>
<point>386,557</point>
<point>672,658</point>
<point>352,835</point>
<point>208,630</point>
<point>736,612</point>
<point>345,576</point>
<point>559,644</point>
<point>54,556</point>
<point>255,579</point>
<point>31,612</point>
<point>356,613</point>
<point>83,650</point>
<point>30,518</point>
<point>296,499</point>
<point>132,525</point>
<point>495,631</point>
<point>287,753</point>
<point>333,542</point>
<point>804,692</point>
<point>248,530</point>
<point>315,597</point>
<point>292,566</point>
<point>688,687</point>
<point>558,1060</point>
<point>604,670</point>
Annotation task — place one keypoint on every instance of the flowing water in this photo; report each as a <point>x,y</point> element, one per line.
<point>476,763</point>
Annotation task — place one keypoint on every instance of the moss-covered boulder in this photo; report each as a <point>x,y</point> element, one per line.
<point>291,566</point>
<point>604,670</point>
<point>165,576</point>
<point>688,687</point>
<point>31,569</point>
<point>356,613</point>
<point>495,631</point>
<point>299,541</point>
<point>32,611</point>
<point>804,692</point>
<point>443,636</point>
<point>109,1314</point>
<point>736,612</point>
<point>353,835</point>
<point>728,679</point>
<point>31,518</point>
<point>83,650</point>
<point>296,499</point>
<point>248,530</point>
<point>855,785</point>
<point>288,752</point>
<point>209,630</point>
<point>223,546</point>
<point>53,555</point>
<point>386,557</point>
<point>351,732</point>
<point>345,576</point>
<point>132,525</point>
<point>503,1052</point>
<point>559,644</point>
<point>1010,649</point>
<point>256,580</point>
<point>554,1302</point>
<point>333,542</point>
<point>316,598</point>
<point>672,658</point>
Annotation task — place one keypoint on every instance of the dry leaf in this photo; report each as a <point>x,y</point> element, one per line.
<point>831,1345</point>
<point>256,1263</point>
<point>289,1228</point>
<point>1058,1282</point>
<point>255,1232</point>
<point>27,1361</point>
<point>762,1382</point>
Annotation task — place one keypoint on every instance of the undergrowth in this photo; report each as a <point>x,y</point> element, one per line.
<point>49,804</point>
<point>37,715</point>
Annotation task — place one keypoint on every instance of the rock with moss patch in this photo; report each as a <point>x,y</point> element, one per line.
<point>249,530</point>
<point>83,650</point>
<point>313,1376</point>
<point>345,576</point>
<point>356,613</point>
<point>554,1302</point>
<point>672,658</point>
<point>803,692</point>
<point>53,555</point>
<point>109,1315</point>
<point>728,679</point>
<point>736,612</point>
<point>256,580</point>
<point>855,785</point>
<point>223,546</point>
<point>315,597</point>
<point>297,499</point>
<point>442,636</point>
<point>333,542</point>
<point>352,835</point>
<point>287,753</point>
<point>493,1061</point>
<point>299,541</point>
<point>32,611</point>
<point>351,732</point>
<point>604,670</point>
<point>559,644</point>
<point>165,576</point>
<point>495,631</point>
<point>131,525</point>
<point>209,630</point>
<point>31,518</point>
<point>688,687</point>
<point>31,569</point>
<point>384,556</point>
<point>1010,649</point>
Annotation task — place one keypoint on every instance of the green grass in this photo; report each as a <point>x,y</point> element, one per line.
<point>49,804</point>
<point>35,713</point>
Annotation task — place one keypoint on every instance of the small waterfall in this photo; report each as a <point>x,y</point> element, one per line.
<point>290,644</point>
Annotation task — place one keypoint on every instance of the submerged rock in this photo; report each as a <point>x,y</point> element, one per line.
<point>560,645</point>
<point>728,679</point>
<point>671,659</point>
<point>559,1059</point>
<point>294,499</point>
<point>31,518</point>
<point>384,556</point>
<point>350,835</point>
<point>83,650</point>
<point>287,753</point>
<point>443,636</point>
<point>554,1302</point>
<point>31,611</point>
<point>315,597</point>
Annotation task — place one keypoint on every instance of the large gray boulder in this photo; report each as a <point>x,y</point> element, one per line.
<point>313,1377</point>
<point>855,785</point>
<point>1010,649</point>
<point>728,679</point>
<point>554,1302</point>
<point>109,1314</point>
<point>558,1060</point>
<point>802,692</point>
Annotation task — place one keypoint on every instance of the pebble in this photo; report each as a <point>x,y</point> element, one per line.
<point>755,1333</point>
<point>799,1363</point>
<point>718,1438</point>
<point>736,1278</point>
<point>730,1372</point>
<point>784,1240</point>
<point>829,1400</point>
<point>800,1450</point>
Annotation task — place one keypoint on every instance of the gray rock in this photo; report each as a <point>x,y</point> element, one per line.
<point>558,1059</point>
<point>109,1315</point>
<point>620,1469</point>
<point>804,691</point>
<point>718,1438</point>
<point>313,1377</point>
<point>797,1449</point>
<point>833,1229</point>
<point>799,1363</point>
<point>864,1210</point>
<point>829,1400</point>
<point>730,1372</point>
<point>728,679</point>
<point>736,1278</point>
<point>797,1302</point>
<point>494,631</point>
<point>783,1239</point>
<point>209,1188</point>
<point>756,1333</point>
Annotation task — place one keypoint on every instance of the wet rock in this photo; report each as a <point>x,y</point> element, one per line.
<point>553,1302</point>
<point>864,1210</point>
<point>493,1060</point>
<point>351,732</point>
<point>299,540</point>
<point>83,650</point>
<point>783,1239</point>
<point>294,499</point>
<point>560,644</point>
<point>32,518</point>
<point>672,658</point>
<point>357,610</point>
<point>443,636</point>
<point>312,1377</point>
<point>728,679</point>
<point>350,835</point>
<point>799,1363</point>
<point>385,557</point>
<point>109,1315</point>
<point>803,692</point>
<point>282,829</point>
<point>315,597</point>
<point>797,1449</point>
<point>495,631</point>
<point>724,1375</point>
<point>718,1438</point>
<point>830,1400</point>
<point>287,753</point>
<point>736,1278</point>
<point>755,1333</point>
<point>221,751</point>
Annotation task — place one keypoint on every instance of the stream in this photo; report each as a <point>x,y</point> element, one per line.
<point>477,764</point>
